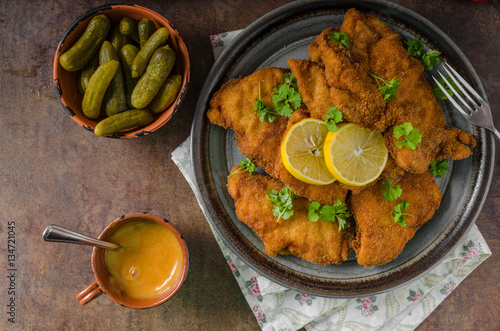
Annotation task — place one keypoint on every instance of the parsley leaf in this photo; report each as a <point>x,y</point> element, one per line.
<point>439,168</point>
<point>333,116</point>
<point>340,38</point>
<point>289,78</point>
<point>329,213</point>
<point>313,212</point>
<point>265,112</point>
<point>389,88</point>
<point>413,137</point>
<point>415,47</point>
<point>282,199</point>
<point>390,192</point>
<point>286,97</point>
<point>400,212</point>
<point>437,91</point>
<point>429,59</point>
<point>245,165</point>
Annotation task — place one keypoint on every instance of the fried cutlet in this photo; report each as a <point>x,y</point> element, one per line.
<point>377,50</point>
<point>379,239</point>
<point>233,107</point>
<point>315,93</point>
<point>313,86</point>
<point>317,242</point>
<point>352,90</point>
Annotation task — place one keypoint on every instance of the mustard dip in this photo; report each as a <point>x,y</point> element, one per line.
<point>149,262</point>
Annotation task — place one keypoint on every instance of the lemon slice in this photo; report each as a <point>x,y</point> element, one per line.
<point>355,156</point>
<point>302,152</point>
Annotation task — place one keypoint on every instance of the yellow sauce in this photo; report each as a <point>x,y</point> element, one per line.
<point>149,262</point>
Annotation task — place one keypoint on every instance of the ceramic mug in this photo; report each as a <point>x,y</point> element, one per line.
<point>102,283</point>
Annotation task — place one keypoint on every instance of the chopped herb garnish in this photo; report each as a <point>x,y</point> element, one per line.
<point>329,213</point>
<point>412,135</point>
<point>389,88</point>
<point>437,91</point>
<point>400,212</point>
<point>265,112</point>
<point>245,165</point>
<point>313,212</point>
<point>286,97</point>
<point>283,202</point>
<point>415,47</point>
<point>429,59</point>
<point>390,192</point>
<point>333,116</point>
<point>439,168</point>
<point>289,78</point>
<point>340,38</point>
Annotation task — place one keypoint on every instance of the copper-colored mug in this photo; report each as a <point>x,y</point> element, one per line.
<point>102,283</point>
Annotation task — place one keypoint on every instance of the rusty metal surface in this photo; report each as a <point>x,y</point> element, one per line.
<point>53,171</point>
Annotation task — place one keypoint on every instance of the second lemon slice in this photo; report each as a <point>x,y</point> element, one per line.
<point>302,152</point>
<point>355,156</point>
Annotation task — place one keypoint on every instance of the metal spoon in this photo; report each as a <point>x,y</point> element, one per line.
<point>54,233</point>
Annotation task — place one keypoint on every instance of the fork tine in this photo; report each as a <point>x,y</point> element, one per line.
<point>464,83</point>
<point>455,92</point>
<point>455,104</point>
<point>461,88</point>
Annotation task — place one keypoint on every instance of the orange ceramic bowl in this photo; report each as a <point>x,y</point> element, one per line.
<point>67,84</point>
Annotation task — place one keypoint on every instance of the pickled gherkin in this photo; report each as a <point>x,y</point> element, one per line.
<point>88,45</point>
<point>123,121</point>
<point>156,73</point>
<point>98,83</point>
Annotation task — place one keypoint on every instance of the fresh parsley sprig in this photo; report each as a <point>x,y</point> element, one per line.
<point>429,59</point>
<point>437,91</point>
<point>266,113</point>
<point>340,38</point>
<point>282,202</point>
<point>439,168</point>
<point>329,213</point>
<point>290,79</point>
<point>400,212</point>
<point>388,90</point>
<point>286,96</point>
<point>245,165</point>
<point>412,135</point>
<point>389,191</point>
<point>333,116</point>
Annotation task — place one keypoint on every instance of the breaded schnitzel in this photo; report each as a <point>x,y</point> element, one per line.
<point>379,238</point>
<point>352,90</point>
<point>349,79</point>
<point>376,49</point>
<point>313,86</point>
<point>317,242</point>
<point>315,93</point>
<point>233,107</point>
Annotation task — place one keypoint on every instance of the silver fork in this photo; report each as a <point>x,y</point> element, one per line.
<point>476,111</point>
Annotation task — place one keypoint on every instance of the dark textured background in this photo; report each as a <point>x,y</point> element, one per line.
<point>53,171</point>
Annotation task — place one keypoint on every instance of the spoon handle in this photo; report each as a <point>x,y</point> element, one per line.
<point>54,233</point>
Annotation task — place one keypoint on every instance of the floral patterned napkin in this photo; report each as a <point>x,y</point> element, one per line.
<point>277,308</point>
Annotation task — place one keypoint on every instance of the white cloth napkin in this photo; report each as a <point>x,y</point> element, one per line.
<point>277,308</point>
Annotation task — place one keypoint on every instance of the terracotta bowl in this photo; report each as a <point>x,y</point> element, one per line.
<point>67,84</point>
<point>102,284</point>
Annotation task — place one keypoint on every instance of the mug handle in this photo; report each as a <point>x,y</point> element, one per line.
<point>89,294</point>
